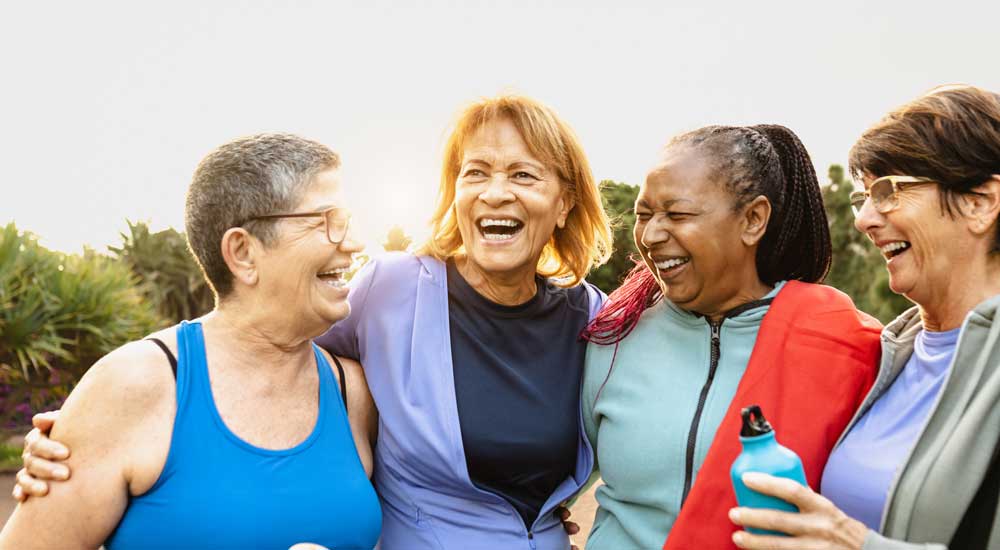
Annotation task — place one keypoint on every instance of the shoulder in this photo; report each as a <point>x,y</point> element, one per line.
<point>818,306</point>
<point>584,297</point>
<point>121,390</point>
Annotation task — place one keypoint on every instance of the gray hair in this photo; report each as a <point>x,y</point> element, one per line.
<point>251,176</point>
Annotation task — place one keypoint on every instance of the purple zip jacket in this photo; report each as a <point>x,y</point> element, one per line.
<point>398,329</point>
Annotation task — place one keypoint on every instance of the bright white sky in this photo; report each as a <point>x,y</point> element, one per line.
<point>106,107</point>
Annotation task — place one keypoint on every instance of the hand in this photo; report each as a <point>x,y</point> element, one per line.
<point>571,528</point>
<point>819,525</point>
<point>41,458</point>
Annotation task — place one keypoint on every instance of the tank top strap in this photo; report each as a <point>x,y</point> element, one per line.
<point>330,400</point>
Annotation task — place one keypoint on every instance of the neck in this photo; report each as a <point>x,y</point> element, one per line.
<point>750,291</point>
<point>946,310</point>
<point>251,339</point>
<point>507,289</point>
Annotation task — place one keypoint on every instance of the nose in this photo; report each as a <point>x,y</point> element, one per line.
<point>350,244</point>
<point>654,233</point>
<point>868,218</point>
<point>497,191</point>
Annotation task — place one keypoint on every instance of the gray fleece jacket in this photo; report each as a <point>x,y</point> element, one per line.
<point>946,466</point>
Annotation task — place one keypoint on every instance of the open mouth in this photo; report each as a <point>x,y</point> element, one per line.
<point>893,249</point>
<point>669,265</point>
<point>334,277</point>
<point>499,229</point>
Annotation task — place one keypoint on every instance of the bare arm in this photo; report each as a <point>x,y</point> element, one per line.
<point>113,420</point>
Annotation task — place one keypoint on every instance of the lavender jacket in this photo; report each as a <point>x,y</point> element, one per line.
<point>398,328</point>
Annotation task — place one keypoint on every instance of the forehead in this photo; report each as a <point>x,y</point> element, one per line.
<point>495,140</point>
<point>680,173</point>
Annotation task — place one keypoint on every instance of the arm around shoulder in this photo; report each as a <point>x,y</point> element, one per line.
<point>114,422</point>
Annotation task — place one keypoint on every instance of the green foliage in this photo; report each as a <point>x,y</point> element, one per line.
<point>10,457</point>
<point>58,315</point>
<point>619,203</point>
<point>168,274</point>
<point>396,240</point>
<point>858,267</point>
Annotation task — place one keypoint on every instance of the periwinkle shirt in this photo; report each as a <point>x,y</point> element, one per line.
<point>514,366</point>
<point>862,468</point>
<point>400,331</point>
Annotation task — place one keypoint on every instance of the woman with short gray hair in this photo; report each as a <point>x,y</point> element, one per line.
<point>232,430</point>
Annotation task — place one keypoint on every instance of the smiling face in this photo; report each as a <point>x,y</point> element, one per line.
<point>922,245</point>
<point>507,202</point>
<point>301,269</point>
<point>691,238</point>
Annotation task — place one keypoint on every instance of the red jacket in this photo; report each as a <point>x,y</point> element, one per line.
<point>813,363</point>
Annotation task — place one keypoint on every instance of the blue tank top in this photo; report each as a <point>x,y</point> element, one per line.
<point>218,491</point>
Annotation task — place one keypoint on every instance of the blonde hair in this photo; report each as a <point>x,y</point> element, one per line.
<point>584,242</point>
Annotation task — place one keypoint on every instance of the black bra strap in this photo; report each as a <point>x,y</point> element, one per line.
<point>343,380</point>
<point>170,354</point>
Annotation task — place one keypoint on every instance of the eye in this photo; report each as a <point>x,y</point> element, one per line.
<point>643,216</point>
<point>522,175</point>
<point>679,215</point>
<point>474,173</point>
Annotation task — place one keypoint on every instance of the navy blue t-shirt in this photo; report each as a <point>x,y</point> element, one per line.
<point>517,383</point>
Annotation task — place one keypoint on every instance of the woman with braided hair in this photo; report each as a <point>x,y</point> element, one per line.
<point>723,312</point>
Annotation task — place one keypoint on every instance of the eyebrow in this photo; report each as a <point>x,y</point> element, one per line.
<point>515,164</point>
<point>665,204</point>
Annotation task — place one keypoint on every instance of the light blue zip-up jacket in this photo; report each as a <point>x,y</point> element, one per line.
<point>398,329</point>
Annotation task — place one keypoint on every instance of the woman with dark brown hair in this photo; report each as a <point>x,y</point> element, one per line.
<point>917,468</point>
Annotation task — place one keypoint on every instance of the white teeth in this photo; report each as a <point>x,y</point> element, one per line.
<point>486,222</point>
<point>672,263</point>
<point>497,237</point>
<point>337,271</point>
<point>894,246</point>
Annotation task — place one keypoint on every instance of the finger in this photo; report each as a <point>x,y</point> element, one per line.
<point>38,444</point>
<point>44,421</point>
<point>571,528</point>
<point>786,489</point>
<point>574,547</point>
<point>791,523</point>
<point>31,486</point>
<point>564,514</point>
<point>18,493</point>
<point>45,470</point>
<point>751,541</point>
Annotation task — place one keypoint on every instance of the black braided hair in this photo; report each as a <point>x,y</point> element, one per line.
<point>769,160</point>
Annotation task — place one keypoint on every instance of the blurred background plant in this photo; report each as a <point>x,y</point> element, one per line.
<point>59,313</point>
<point>168,275</point>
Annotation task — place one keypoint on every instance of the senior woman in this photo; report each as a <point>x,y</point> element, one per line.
<point>471,347</point>
<point>723,313</point>
<point>229,431</point>
<point>918,465</point>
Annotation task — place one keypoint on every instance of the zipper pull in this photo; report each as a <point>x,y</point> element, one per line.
<point>716,332</point>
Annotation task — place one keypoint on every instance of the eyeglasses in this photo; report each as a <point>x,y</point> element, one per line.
<point>337,221</point>
<point>884,192</point>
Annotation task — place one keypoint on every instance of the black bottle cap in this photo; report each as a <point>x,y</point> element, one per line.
<point>754,423</point>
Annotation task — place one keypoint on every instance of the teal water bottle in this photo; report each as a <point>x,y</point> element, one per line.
<point>762,453</point>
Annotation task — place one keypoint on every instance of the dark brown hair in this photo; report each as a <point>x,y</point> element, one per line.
<point>950,135</point>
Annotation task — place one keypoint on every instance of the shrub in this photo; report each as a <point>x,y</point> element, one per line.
<point>168,274</point>
<point>59,314</point>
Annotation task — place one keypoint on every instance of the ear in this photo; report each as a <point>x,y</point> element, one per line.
<point>566,204</point>
<point>238,251</point>
<point>755,218</point>
<point>982,209</point>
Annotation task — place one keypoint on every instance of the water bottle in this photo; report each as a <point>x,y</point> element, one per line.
<point>762,453</point>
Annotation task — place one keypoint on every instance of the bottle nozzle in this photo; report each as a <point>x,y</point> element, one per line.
<point>754,423</point>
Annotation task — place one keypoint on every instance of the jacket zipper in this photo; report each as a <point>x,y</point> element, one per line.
<point>702,398</point>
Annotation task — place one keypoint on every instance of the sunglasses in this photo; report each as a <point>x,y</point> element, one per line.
<point>337,221</point>
<point>884,192</point>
